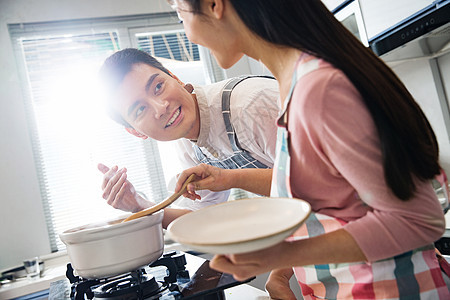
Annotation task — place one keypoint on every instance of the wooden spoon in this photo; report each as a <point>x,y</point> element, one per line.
<point>162,204</point>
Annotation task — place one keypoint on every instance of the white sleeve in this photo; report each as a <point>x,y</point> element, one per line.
<point>255,109</point>
<point>208,198</point>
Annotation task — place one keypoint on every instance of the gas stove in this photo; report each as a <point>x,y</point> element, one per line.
<point>174,275</point>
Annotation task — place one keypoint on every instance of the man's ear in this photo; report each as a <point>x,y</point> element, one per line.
<point>176,78</point>
<point>188,87</point>
<point>135,133</point>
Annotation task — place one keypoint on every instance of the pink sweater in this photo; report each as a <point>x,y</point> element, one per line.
<point>336,166</point>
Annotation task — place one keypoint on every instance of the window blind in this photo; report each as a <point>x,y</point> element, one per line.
<point>69,128</point>
<point>190,62</point>
<point>71,133</point>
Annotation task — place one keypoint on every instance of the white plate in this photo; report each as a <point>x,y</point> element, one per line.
<point>240,226</point>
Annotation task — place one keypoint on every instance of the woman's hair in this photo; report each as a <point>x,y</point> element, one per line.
<point>408,144</point>
<point>116,67</point>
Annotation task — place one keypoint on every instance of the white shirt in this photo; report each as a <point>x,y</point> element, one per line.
<point>254,107</point>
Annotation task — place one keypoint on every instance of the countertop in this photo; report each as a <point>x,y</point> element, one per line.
<point>55,269</point>
<point>243,291</point>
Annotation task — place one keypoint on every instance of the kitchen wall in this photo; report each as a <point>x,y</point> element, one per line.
<point>418,77</point>
<point>24,232</point>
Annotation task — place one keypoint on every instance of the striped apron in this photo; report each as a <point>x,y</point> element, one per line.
<point>241,158</point>
<point>412,275</point>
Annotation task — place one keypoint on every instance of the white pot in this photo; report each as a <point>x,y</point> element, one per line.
<point>111,248</point>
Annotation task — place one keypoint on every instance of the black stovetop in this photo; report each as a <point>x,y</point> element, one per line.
<point>192,279</point>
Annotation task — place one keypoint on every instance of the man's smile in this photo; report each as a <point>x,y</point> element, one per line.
<point>175,115</point>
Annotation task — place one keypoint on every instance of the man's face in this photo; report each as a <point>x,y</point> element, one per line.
<point>156,105</point>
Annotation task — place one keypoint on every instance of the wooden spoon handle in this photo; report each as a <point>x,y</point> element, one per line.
<point>162,204</point>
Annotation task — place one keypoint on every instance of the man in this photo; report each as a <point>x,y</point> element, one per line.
<point>229,124</point>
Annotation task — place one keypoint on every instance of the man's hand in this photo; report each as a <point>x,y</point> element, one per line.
<point>207,178</point>
<point>211,178</point>
<point>119,192</point>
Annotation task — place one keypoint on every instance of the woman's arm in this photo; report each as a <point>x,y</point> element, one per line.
<point>334,247</point>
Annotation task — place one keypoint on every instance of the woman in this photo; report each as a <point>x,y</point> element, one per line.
<point>351,141</point>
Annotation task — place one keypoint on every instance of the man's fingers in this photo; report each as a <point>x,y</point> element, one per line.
<point>109,180</point>
<point>202,184</point>
<point>118,198</point>
<point>102,168</point>
<point>119,179</point>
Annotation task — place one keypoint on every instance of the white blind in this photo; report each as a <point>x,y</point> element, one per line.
<point>70,131</point>
<point>69,128</point>
<point>190,62</point>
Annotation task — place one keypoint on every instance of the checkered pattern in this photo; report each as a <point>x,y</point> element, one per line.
<point>241,159</point>
<point>412,275</point>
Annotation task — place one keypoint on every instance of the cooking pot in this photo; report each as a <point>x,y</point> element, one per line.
<point>110,248</point>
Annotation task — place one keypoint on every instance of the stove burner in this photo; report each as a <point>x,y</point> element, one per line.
<point>167,278</point>
<point>175,263</point>
<point>133,285</point>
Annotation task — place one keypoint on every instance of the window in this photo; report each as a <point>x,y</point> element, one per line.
<point>69,128</point>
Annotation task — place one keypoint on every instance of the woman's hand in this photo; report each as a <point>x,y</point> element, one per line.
<point>119,192</point>
<point>277,284</point>
<point>246,265</point>
<point>288,254</point>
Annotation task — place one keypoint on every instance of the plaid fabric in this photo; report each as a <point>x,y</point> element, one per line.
<point>413,275</point>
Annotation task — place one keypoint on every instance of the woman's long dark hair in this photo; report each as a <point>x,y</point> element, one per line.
<point>408,144</point>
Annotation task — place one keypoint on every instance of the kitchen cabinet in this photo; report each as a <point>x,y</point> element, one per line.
<point>380,15</point>
<point>351,17</point>
<point>333,4</point>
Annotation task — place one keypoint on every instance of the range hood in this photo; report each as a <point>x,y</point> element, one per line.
<point>424,34</point>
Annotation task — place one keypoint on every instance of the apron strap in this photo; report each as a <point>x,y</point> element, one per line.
<point>226,96</point>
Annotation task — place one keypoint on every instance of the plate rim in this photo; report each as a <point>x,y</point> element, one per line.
<point>182,241</point>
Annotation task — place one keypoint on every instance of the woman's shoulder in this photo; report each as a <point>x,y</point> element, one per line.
<point>322,83</point>
<point>319,72</point>
<point>326,94</point>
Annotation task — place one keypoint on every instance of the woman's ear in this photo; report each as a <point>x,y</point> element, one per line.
<point>135,133</point>
<point>216,7</point>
